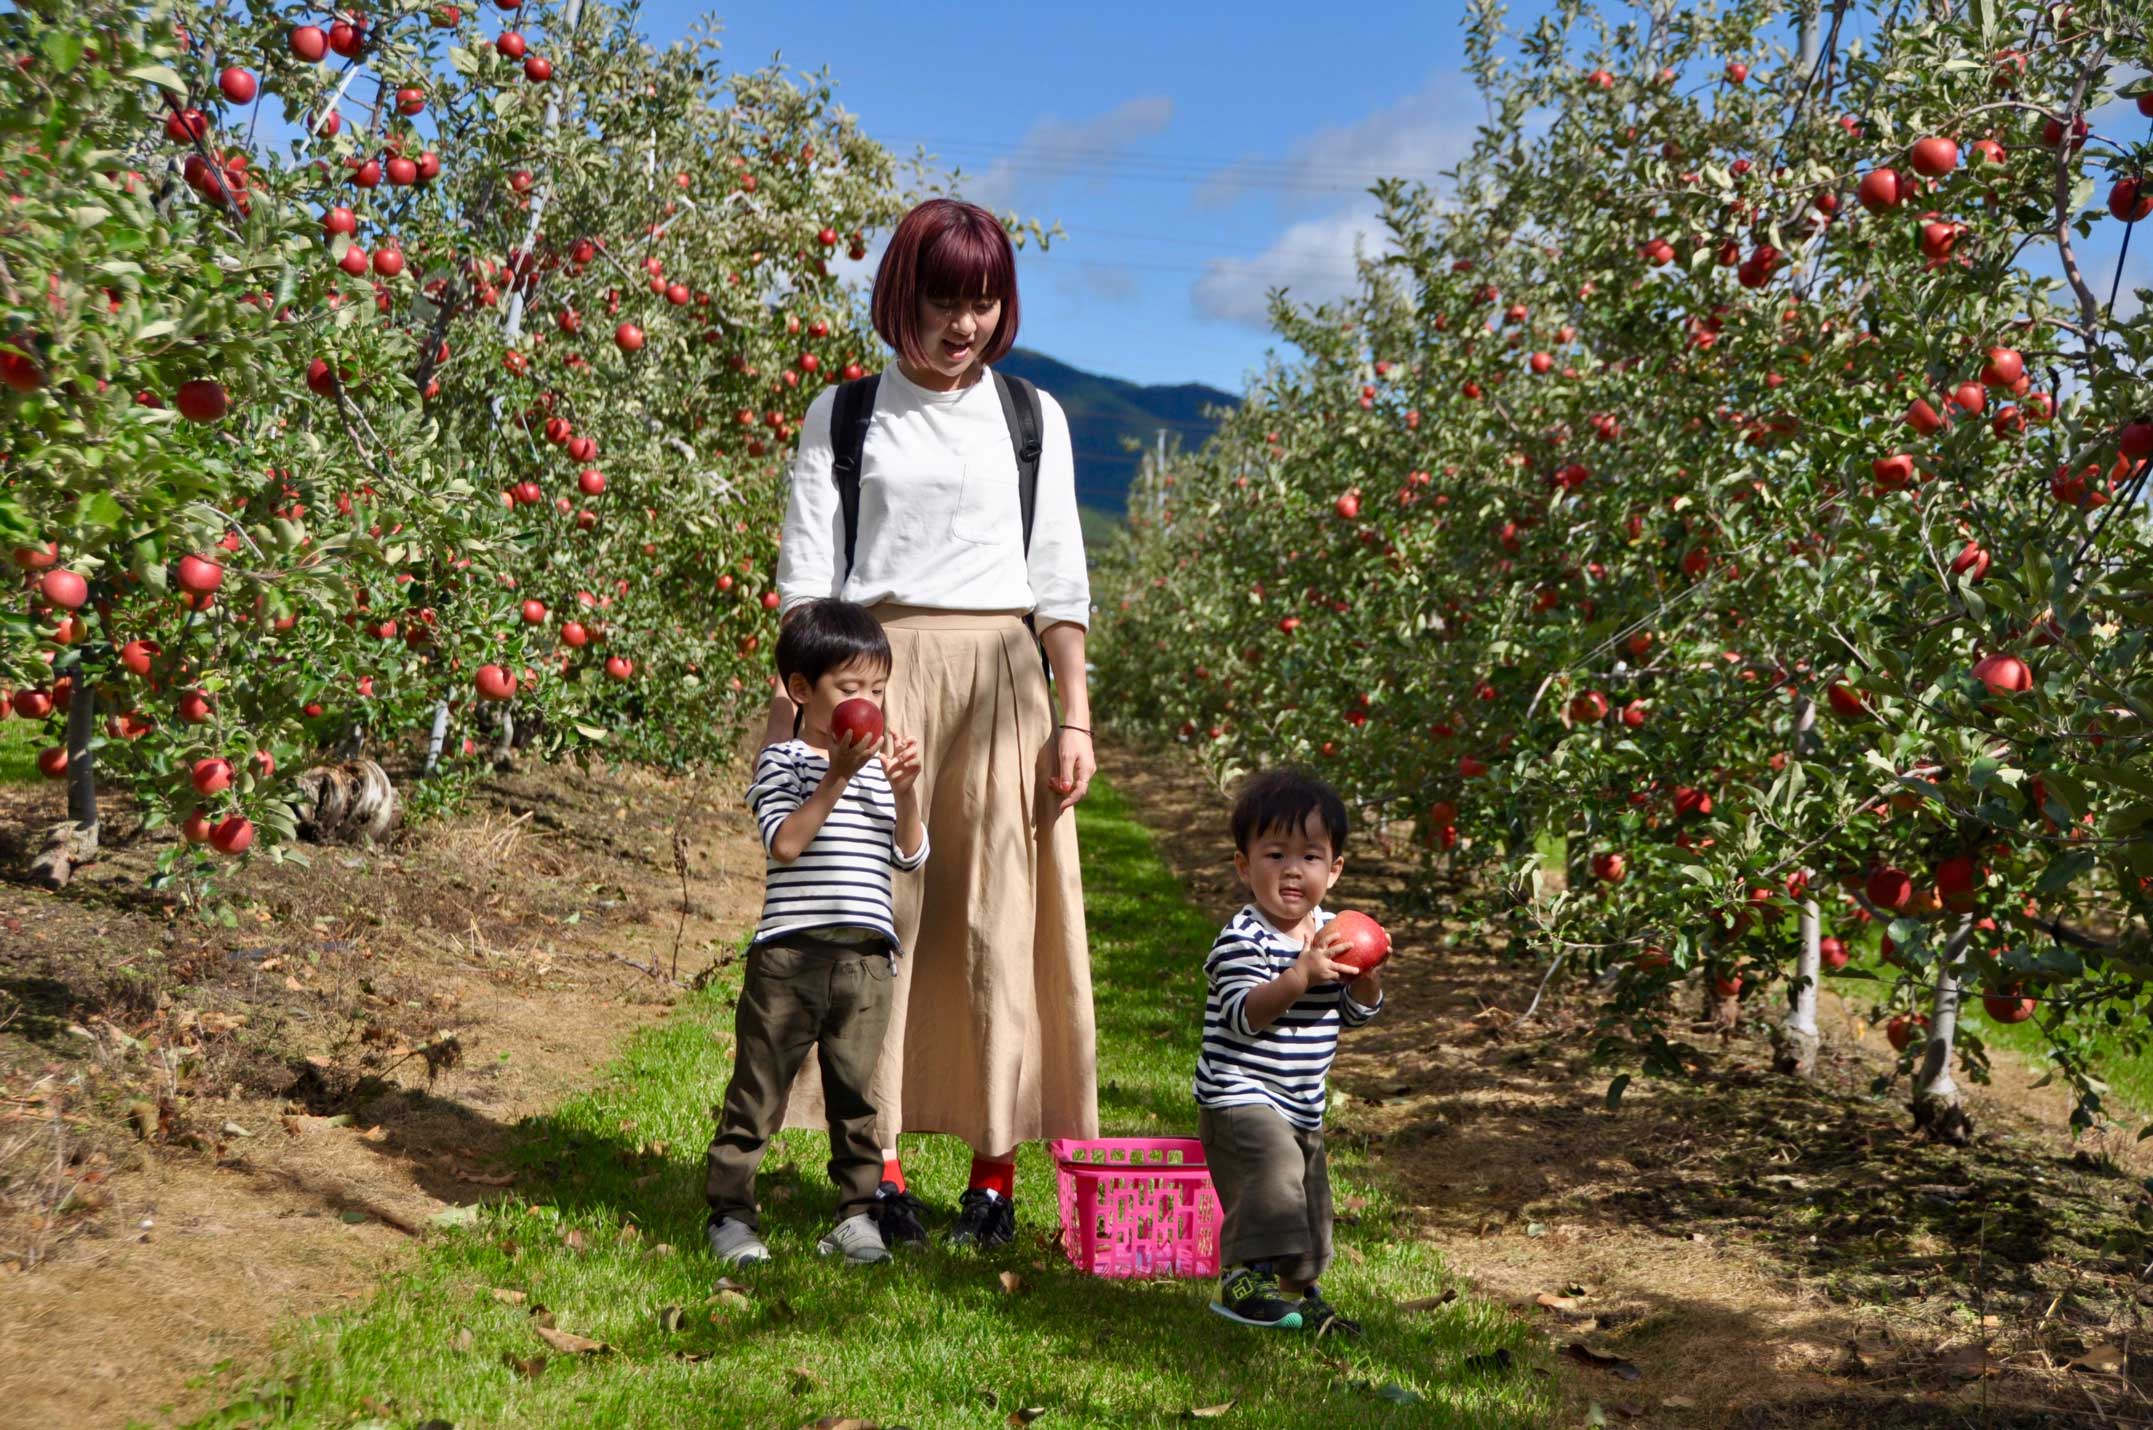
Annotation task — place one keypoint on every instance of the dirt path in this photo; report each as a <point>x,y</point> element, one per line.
<point>317,1084</point>
<point>1735,1248</point>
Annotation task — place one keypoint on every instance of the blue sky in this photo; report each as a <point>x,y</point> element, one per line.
<point>1196,155</point>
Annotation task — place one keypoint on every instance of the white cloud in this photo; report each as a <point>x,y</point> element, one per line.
<point>1054,151</point>
<point>1313,260</point>
<point>1415,138</point>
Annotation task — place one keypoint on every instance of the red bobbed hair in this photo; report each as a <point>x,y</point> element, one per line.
<point>945,248</point>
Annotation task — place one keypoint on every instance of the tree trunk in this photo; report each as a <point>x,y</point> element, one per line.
<point>504,751</point>
<point>1796,1039</point>
<point>73,843</point>
<point>1938,1111</point>
<point>435,737</point>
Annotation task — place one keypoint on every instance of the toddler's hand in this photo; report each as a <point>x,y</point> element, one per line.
<point>1318,962</point>
<point>1367,988</point>
<point>901,763</point>
<point>848,757</point>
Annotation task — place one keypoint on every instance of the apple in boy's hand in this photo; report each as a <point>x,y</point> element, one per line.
<point>1365,945</point>
<point>859,721</point>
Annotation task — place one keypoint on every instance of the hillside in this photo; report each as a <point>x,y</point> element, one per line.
<point>1104,410</point>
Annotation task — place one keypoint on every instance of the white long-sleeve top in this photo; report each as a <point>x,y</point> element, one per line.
<point>941,524</point>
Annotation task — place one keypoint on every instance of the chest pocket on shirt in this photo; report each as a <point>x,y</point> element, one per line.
<point>987,497</point>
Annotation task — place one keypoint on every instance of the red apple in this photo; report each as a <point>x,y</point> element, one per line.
<point>233,836</point>
<point>65,589</point>
<point>309,43</point>
<point>2003,674</point>
<point>194,707</point>
<point>195,828</point>
<point>238,84</point>
<point>628,338</point>
<point>212,776</point>
<point>1845,701</point>
<point>1610,868</point>
<point>859,721</point>
<point>199,575</point>
<point>1366,944</point>
<point>1890,888</point>
<point>619,667</point>
<point>510,45</point>
<point>1899,1032</point>
<point>2009,1005</point>
<point>1831,954</point>
<point>2003,369</point>
<point>1956,880</point>
<point>1972,562</point>
<point>52,762</point>
<point>1935,156</point>
<point>538,69</point>
<point>201,400</point>
<point>494,683</point>
<point>1881,190</point>
<point>137,655</point>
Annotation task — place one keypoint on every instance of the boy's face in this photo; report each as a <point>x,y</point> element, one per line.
<point>1289,870</point>
<point>860,679</point>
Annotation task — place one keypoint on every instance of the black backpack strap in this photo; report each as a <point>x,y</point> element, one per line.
<point>850,413</point>
<point>1020,409</point>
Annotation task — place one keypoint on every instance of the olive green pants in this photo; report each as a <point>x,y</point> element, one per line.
<point>1274,1186</point>
<point>802,993</point>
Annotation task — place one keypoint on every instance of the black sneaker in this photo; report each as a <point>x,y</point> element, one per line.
<point>984,1219</point>
<point>1249,1295</point>
<point>898,1213</point>
<point>1320,1316</point>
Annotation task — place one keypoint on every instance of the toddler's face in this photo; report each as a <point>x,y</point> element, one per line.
<point>1288,871</point>
<point>857,680</point>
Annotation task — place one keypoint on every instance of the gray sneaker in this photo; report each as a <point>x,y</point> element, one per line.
<point>736,1244</point>
<point>857,1239</point>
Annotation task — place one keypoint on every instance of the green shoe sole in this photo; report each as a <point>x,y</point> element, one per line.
<point>1291,1321</point>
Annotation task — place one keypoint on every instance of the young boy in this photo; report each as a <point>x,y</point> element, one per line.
<point>836,815</point>
<point>1277,1000</point>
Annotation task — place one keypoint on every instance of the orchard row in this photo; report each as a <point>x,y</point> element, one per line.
<point>1717,481</point>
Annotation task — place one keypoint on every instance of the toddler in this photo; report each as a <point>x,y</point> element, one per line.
<point>1277,1000</point>
<point>837,814</point>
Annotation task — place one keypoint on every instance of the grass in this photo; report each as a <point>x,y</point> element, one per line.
<point>2128,1073</point>
<point>936,1339</point>
<point>19,743</point>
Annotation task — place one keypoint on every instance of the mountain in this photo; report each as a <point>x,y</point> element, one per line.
<point>1103,410</point>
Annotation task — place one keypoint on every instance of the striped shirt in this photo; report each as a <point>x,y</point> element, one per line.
<point>842,879</point>
<point>1284,1064</point>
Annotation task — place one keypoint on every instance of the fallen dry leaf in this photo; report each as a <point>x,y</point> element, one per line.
<point>526,1366</point>
<point>1548,1300</point>
<point>1601,1360</point>
<point>726,1283</point>
<point>483,1180</point>
<point>842,1422</point>
<point>570,1344</point>
<point>1026,1416</point>
<point>803,1380</point>
<point>1209,1412</point>
<point>1012,1283</point>
<point>1969,1362</point>
<point>670,1318</point>
<point>463,1339</point>
<point>2101,1360</point>
<point>510,1298</point>
<point>1429,1303</point>
<point>574,1239</point>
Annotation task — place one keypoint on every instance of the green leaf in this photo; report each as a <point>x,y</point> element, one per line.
<point>2064,872</point>
<point>590,732</point>
<point>1615,1089</point>
<point>63,49</point>
<point>163,76</point>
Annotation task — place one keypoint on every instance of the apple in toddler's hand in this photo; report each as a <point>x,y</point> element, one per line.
<point>1365,945</point>
<point>857,721</point>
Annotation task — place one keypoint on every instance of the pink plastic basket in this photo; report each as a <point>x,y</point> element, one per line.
<point>1137,1206</point>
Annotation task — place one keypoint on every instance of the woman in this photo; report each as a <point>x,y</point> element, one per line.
<point>991,1034</point>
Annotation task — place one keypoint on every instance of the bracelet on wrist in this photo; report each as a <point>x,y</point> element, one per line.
<point>1080,729</point>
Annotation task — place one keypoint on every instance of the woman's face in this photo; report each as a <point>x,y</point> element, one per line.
<point>955,331</point>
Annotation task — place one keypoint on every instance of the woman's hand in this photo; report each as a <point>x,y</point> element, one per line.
<point>1073,764</point>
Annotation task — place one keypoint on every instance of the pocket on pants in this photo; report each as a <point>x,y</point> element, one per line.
<point>776,962</point>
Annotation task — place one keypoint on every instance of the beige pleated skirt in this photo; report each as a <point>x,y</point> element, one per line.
<point>991,1035</point>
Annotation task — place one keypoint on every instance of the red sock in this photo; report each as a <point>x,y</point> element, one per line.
<point>893,1171</point>
<point>997,1177</point>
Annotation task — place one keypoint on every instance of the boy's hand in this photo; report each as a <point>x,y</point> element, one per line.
<point>848,757</point>
<point>1318,962</point>
<point>901,763</point>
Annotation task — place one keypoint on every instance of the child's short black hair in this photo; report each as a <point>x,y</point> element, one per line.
<point>828,635</point>
<point>1283,800</point>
